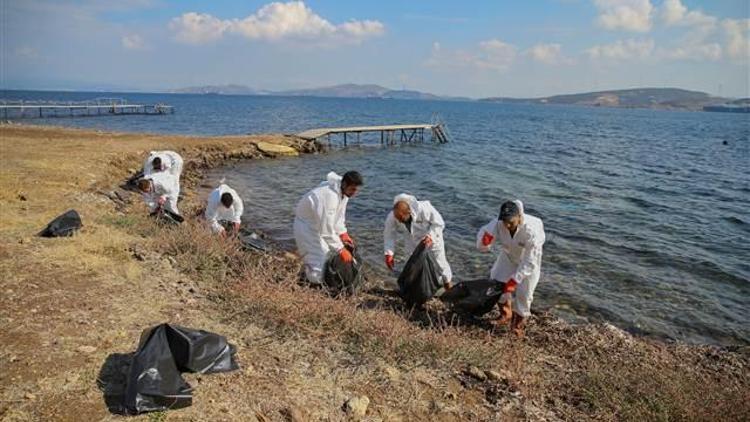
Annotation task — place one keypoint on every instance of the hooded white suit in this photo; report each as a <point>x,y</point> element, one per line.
<point>425,220</point>
<point>319,219</point>
<point>164,185</point>
<point>216,212</point>
<point>520,257</point>
<point>170,161</point>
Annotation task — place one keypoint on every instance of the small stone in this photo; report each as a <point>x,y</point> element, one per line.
<point>497,376</point>
<point>14,358</point>
<point>29,396</point>
<point>477,373</point>
<point>293,414</point>
<point>22,197</point>
<point>87,349</point>
<point>357,406</point>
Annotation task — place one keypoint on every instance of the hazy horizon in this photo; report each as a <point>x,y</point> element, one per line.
<point>484,49</point>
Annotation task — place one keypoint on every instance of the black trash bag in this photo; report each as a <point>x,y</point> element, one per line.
<point>154,381</point>
<point>341,277</point>
<point>166,216</point>
<point>420,278</point>
<point>253,241</point>
<point>476,297</point>
<point>63,225</point>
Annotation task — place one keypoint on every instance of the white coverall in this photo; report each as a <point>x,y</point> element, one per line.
<point>520,257</point>
<point>425,220</point>
<point>164,185</point>
<point>216,211</point>
<point>319,219</point>
<point>170,162</point>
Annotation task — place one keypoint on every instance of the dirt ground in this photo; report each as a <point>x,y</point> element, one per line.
<point>71,308</point>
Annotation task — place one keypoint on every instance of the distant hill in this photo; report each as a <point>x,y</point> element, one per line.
<point>335,91</point>
<point>658,98</point>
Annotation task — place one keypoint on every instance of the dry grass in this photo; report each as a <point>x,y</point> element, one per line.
<point>303,353</point>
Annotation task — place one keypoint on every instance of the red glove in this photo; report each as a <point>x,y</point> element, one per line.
<point>487,239</point>
<point>346,256</point>
<point>389,262</point>
<point>427,241</point>
<point>510,286</point>
<point>346,239</point>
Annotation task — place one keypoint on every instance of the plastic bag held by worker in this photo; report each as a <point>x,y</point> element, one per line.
<point>154,381</point>
<point>476,297</point>
<point>420,278</point>
<point>341,277</point>
<point>64,225</point>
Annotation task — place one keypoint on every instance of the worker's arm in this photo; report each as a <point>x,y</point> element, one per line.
<point>341,221</point>
<point>530,258</point>
<point>486,236</point>
<point>212,214</point>
<point>325,213</point>
<point>151,201</point>
<point>436,220</point>
<point>239,208</point>
<point>389,235</point>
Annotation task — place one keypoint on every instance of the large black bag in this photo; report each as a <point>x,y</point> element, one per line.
<point>476,297</point>
<point>420,278</point>
<point>154,381</point>
<point>341,277</point>
<point>63,225</point>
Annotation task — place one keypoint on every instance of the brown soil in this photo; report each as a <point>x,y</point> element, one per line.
<point>68,305</point>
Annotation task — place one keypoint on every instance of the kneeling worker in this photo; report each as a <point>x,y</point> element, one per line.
<point>419,221</point>
<point>320,222</point>
<point>519,264</point>
<point>160,192</point>
<point>224,210</point>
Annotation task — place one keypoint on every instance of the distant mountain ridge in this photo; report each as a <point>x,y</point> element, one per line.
<point>657,98</point>
<point>335,91</point>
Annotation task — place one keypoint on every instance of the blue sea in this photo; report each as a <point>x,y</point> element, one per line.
<point>646,211</point>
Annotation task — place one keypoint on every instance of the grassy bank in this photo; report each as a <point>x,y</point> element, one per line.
<point>68,304</point>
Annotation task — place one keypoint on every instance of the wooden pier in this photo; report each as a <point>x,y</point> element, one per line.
<point>388,133</point>
<point>98,107</point>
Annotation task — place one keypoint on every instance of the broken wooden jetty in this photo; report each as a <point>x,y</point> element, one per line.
<point>97,107</point>
<point>389,134</point>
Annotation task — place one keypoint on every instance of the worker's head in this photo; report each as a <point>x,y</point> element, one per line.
<point>350,183</point>
<point>510,215</point>
<point>401,211</point>
<point>144,185</point>
<point>227,199</point>
<point>156,163</point>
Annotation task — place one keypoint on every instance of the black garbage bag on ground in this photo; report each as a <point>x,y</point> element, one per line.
<point>167,216</point>
<point>154,381</point>
<point>253,241</point>
<point>476,297</point>
<point>63,225</point>
<point>420,279</point>
<point>341,277</point>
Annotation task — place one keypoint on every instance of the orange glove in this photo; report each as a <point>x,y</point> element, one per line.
<point>346,239</point>
<point>346,256</point>
<point>510,286</point>
<point>487,239</point>
<point>427,241</point>
<point>389,262</point>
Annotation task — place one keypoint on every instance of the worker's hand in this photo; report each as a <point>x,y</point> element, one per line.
<point>487,239</point>
<point>389,262</point>
<point>223,232</point>
<point>427,241</point>
<point>447,284</point>
<point>347,240</point>
<point>510,286</point>
<point>506,297</point>
<point>236,227</point>
<point>346,256</point>
<point>162,200</point>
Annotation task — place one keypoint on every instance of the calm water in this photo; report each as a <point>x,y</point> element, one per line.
<point>646,212</point>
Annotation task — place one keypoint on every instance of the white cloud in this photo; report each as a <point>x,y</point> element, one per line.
<point>492,55</point>
<point>737,33</point>
<point>273,22</point>
<point>674,13</point>
<point>628,15</point>
<point>548,54</point>
<point>697,52</point>
<point>622,50</point>
<point>133,42</point>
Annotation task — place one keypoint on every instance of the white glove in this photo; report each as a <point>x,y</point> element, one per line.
<point>506,297</point>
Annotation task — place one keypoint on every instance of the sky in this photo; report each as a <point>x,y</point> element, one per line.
<point>462,48</point>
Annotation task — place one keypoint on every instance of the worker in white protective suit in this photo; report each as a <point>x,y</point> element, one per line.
<point>160,191</point>
<point>320,223</point>
<point>518,266</point>
<point>224,207</point>
<point>418,221</point>
<point>168,161</point>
